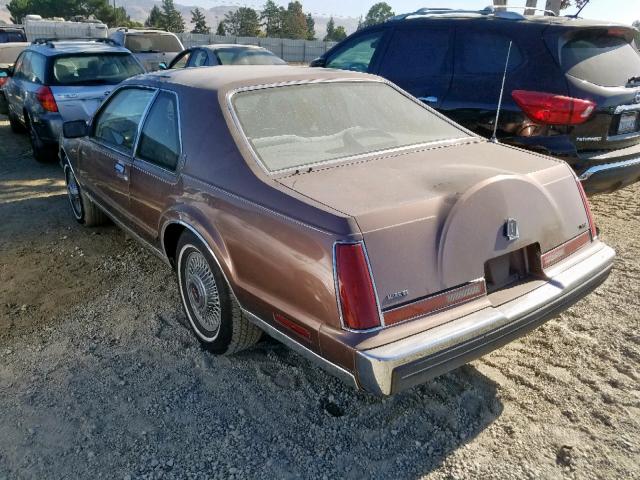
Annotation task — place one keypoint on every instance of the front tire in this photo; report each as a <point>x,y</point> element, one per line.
<point>212,310</point>
<point>83,209</point>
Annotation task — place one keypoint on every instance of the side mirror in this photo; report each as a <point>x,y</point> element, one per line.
<point>75,129</point>
<point>318,62</point>
<point>163,66</point>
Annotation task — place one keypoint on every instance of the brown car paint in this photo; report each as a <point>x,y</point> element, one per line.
<point>430,217</point>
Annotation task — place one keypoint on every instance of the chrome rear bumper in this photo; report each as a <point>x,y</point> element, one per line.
<point>413,360</point>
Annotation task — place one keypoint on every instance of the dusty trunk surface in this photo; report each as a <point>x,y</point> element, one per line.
<point>99,375</point>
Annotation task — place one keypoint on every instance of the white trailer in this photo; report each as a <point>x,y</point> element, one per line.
<point>37,27</point>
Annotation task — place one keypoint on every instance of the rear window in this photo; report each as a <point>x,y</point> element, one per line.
<point>301,125</point>
<point>602,59</point>
<point>96,69</point>
<point>243,56</point>
<point>152,43</point>
<point>6,37</point>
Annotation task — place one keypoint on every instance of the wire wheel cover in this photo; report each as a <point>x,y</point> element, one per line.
<point>202,291</point>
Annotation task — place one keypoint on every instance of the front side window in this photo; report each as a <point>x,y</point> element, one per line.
<point>357,56</point>
<point>94,69</point>
<point>159,139</point>
<point>182,59</point>
<point>364,117</point>
<point>117,123</point>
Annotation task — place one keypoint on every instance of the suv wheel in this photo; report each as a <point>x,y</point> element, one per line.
<point>41,152</point>
<point>84,210</point>
<point>16,126</point>
<point>213,312</point>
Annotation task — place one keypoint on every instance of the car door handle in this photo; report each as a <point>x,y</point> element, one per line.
<point>430,99</point>
<point>121,169</point>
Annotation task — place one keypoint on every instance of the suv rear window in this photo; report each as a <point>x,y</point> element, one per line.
<point>601,58</point>
<point>152,43</point>
<point>96,69</point>
<point>364,117</point>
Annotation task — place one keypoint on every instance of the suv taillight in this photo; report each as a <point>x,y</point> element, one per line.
<point>552,109</point>
<point>46,99</point>
<point>356,295</point>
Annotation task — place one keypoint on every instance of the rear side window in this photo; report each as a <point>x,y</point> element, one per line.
<point>601,58</point>
<point>417,52</point>
<point>31,67</point>
<point>6,37</point>
<point>160,140</point>
<point>117,123</point>
<point>357,55</point>
<point>485,53</point>
<point>99,69</point>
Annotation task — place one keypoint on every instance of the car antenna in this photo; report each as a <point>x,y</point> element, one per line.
<point>494,138</point>
<point>580,9</point>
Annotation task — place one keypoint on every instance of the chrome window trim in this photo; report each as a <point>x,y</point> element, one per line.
<point>348,159</point>
<point>373,283</point>
<point>104,105</point>
<point>181,158</point>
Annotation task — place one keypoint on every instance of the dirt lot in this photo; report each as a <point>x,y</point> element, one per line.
<point>100,377</point>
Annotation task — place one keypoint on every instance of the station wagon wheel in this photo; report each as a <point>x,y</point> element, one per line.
<point>41,152</point>
<point>213,312</point>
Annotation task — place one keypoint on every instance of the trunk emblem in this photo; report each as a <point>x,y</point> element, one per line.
<point>511,230</point>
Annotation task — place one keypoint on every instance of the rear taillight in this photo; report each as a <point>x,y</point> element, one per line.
<point>46,99</point>
<point>356,294</point>
<point>587,208</point>
<point>551,109</point>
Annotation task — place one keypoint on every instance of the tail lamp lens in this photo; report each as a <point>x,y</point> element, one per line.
<point>46,99</point>
<point>587,207</point>
<point>355,287</point>
<point>551,109</point>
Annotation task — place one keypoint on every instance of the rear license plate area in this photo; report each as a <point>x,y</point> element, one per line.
<point>628,123</point>
<point>513,267</point>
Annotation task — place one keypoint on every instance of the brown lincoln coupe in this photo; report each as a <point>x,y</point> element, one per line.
<point>338,214</point>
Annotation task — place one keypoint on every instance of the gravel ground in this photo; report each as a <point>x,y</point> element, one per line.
<point>100,377</point>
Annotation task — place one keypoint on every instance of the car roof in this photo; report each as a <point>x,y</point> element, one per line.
<point>51,48</point>
<point>230,77</point>
<point>217,46</point>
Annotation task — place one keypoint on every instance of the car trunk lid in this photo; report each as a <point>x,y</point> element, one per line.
<point>431,220</point>
<point>79,102</point>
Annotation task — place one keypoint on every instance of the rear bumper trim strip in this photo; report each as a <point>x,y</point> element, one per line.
<point>605,167</point>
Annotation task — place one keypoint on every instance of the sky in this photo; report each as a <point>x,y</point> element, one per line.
<point>623,11</point>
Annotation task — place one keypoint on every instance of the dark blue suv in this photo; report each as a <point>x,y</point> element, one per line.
<point>572,86</point>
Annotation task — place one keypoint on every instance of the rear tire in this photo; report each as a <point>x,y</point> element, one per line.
<point>212,310</point>
<point>42,152</point>
<point>16,126</point>
<point>83,209</point>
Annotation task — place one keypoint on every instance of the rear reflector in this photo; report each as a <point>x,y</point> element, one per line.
<point>565,250</point>
<point>46,99</point>
<point>356,296</point>
<point>291,325</point>
<point>551,109</point>
<point>451,298</point>
<point>587,208</point>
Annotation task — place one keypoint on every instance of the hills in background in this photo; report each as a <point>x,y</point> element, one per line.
<point>139,10</point>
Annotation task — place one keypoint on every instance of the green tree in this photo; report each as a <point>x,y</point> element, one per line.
<point>154,19</point>
<point>331,30</point>
<point>100,9</point>
<point>172,20</point>
<point>339,34</point>
<point>221,30</point>
<point>295,22</point>
<point>271,19</point>
<point>244,22</point>
<point>311,27</point>
<point>378,13</point>
<point>200,22</point>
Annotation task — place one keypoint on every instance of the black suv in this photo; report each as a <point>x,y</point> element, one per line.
<point>572,86</point>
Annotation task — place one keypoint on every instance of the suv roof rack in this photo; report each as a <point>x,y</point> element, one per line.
<point>490,10</point>
<point>50,41</point>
